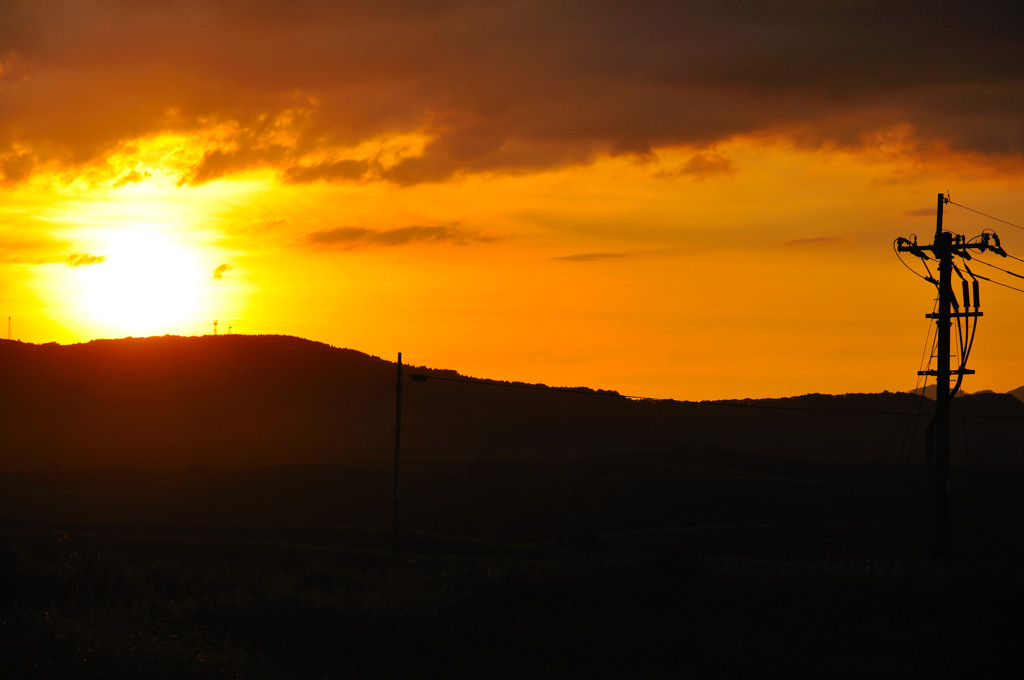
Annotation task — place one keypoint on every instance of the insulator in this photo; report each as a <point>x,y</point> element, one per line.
<point>977,294</point>
<point>967,297</point>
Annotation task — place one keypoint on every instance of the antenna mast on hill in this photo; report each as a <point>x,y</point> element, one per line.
<point>215,326</point>
<point>945,247</point>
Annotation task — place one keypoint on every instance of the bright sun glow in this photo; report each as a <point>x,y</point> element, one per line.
<point>146,284</point>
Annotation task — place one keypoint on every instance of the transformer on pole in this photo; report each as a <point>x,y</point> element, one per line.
<point>945,247</point>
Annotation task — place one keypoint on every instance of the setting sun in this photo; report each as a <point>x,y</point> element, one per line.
<point>671,200</point>
<point>145,283</point>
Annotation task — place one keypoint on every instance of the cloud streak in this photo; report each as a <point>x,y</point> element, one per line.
<point>590,257</point>
<point>84,259</point>
<point>519,86</point>
<point>814,241</point>
<point>360,237</point>
<point>703,166</point>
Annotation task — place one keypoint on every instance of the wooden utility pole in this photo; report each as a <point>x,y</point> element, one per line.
<point>945,247</point>
<point>936,535</point>
<point>398,449</point>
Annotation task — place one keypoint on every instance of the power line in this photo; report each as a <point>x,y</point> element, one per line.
<point>1014,257</point>
<point>978,212</point>
<point>999,283</point>
<point>1005,271</point>
<point>929,278</point>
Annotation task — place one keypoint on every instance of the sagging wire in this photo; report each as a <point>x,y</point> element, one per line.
<point>966,331</point>
<point>910,425</point>
<point>1005,271</point>
<point>924,259</point>
<point>978,212</point>
<point>987,236</point>
<point>999,283</point>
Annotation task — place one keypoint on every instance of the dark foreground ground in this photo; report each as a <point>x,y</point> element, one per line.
<point>636,566</point>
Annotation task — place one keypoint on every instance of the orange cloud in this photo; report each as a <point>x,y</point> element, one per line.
<point>518,87</point>
<point>131,177</point>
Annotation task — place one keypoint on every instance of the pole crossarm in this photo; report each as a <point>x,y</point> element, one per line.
<point>935,315</point>
<point>959,247</point>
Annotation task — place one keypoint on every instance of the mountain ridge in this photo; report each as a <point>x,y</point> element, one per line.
<point>235,401</point>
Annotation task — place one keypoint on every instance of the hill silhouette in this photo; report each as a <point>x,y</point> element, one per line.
<point>243,401</point>
<point>215,506</point>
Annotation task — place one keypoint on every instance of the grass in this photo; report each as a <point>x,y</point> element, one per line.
<point>121,602</point>
<point>604,568</point>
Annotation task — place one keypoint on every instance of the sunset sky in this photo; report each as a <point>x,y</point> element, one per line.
<point>693,200</point>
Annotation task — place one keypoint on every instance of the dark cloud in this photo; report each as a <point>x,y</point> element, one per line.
<point>220,270</point>
<point>84,259</point>
<point>348,169</point>
<point>16,167</point>
<point>591,257</point>
<point>702,166</point>
<point>920,212</point>
<point>355,237</point>
<point>503,86</point>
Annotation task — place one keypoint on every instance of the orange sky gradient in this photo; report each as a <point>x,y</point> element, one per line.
<point>685,200</point>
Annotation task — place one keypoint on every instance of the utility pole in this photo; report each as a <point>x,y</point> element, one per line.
<point>398,449</point>
<point>945,247</point>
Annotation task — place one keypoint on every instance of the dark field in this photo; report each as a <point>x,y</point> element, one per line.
<point>653,565</point>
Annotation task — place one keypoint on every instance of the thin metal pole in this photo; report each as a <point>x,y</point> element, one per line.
<point>398,449</point>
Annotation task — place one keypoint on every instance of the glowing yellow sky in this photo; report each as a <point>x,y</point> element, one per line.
<point>687,245</point>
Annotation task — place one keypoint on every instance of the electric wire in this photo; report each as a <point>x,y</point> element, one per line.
<point>1014,257</point>
<point>978,212</point>
<point>910,423</point>
<point>998,249</point>
<point>1005,271</point>
<point>1000,283</point>
<point>929,278</point>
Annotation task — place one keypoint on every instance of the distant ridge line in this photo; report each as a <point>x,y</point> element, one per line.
<point>426,373</point>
